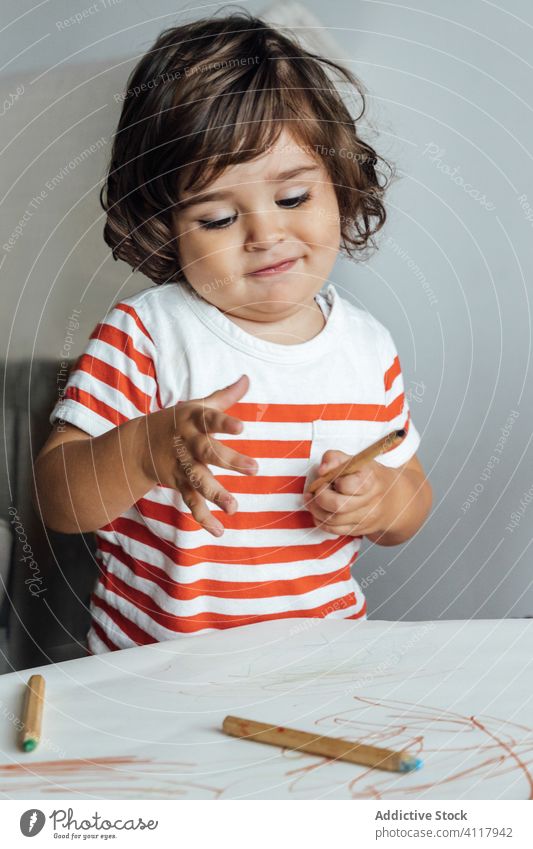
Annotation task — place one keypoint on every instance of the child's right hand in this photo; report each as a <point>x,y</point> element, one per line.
<point>178,445</point>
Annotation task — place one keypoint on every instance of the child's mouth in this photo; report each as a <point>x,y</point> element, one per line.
<point>270,270</point>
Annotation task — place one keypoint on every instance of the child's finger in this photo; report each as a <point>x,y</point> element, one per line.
<point>209,420</point>
<point>319,506</point>
<point>338,522</point>
<point>331,501</point>
<point>320,514</point>
<point>358,483</point>
<point>224,398</point>
<point>195,479</point>
<point>343,530</point>
<point>205,449</point>
<point>331,458</point>
<point>198,507</point>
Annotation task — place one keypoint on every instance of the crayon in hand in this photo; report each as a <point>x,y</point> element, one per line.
<point>353,464</point>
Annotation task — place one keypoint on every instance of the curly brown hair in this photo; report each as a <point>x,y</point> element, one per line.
<point>214,93</point>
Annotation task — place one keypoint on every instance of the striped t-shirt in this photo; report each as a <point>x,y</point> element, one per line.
<point>160,573</point>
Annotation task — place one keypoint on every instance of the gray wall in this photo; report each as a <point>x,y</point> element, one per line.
<point>449,93</point>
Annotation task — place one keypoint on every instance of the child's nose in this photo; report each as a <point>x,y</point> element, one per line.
<point>263,229</point>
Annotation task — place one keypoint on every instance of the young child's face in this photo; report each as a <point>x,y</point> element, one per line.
<point>265,216</point>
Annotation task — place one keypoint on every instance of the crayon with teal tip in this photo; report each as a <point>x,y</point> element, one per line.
<point>409,764</point>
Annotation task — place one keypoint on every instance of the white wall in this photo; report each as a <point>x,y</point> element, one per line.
<point>450,87</point>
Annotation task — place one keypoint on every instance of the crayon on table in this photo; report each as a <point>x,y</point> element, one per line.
<point>328,747</point>
<point>32,715</point>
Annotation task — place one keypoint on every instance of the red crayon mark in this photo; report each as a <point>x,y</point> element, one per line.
<point>65,766</point>
<point>397,725</point>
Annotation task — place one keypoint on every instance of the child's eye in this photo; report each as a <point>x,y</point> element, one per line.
<point>292,203</point>
<point>286,203</point>
<point>218,224</point>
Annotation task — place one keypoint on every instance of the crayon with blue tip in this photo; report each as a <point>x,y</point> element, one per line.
<point>316,744</point>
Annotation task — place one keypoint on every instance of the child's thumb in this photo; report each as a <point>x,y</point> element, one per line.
<point>225,397</point>
<point>331,459</point>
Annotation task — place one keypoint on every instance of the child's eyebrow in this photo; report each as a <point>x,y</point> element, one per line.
<point>222,195</point>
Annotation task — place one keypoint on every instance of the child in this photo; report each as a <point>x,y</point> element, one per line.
<point>203,406</point>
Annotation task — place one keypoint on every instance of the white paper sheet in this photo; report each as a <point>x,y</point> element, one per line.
<point>146,722</point>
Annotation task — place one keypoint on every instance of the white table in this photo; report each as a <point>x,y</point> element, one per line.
<point>145,722</point>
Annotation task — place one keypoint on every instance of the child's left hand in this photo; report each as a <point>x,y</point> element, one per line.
<point>358,504</point>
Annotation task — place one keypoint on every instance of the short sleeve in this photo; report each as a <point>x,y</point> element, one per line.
<point>397,414</point>
<point>115,379</point>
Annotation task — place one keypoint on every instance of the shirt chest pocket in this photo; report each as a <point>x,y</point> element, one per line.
<point>341,436</point>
